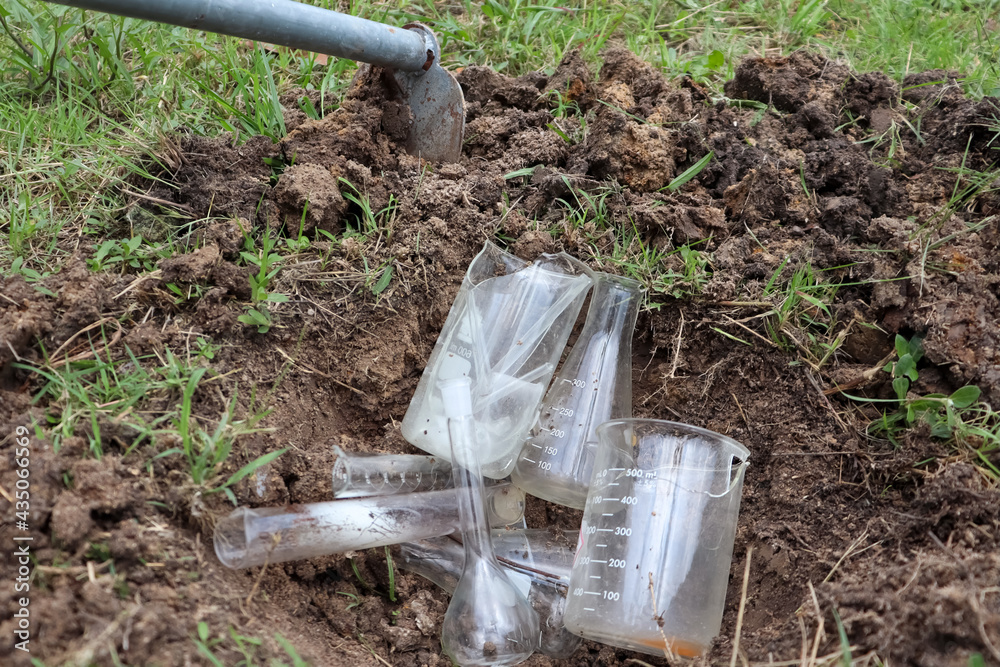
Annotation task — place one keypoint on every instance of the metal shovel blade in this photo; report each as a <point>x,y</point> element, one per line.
<point>411,55</point>
<point>438,107</point>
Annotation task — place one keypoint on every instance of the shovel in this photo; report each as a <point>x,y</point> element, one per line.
<point>410,54</point>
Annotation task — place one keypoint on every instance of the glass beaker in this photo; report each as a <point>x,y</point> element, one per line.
<point>593,386</point>
<point>657,537</point>
<point>505,331</point>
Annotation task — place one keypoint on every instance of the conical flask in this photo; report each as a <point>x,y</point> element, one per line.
<point>594,385</point>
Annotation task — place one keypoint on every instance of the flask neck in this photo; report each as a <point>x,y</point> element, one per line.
<point>469,488</point>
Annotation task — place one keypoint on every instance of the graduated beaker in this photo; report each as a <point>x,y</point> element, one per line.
<point>505,331</point>
<point>593,386</point>
<point>657,537</point>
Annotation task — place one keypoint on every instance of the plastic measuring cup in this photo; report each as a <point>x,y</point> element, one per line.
<point>593,386</point>
<point>506,331</point>
<point>657,537</point>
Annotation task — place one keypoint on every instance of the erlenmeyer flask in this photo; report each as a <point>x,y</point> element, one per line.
<point>594,385</point>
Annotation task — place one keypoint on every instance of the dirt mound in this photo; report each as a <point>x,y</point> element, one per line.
<point>815,170</point>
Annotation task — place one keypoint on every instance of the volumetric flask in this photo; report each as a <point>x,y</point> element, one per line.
<point>657,537</point>
<point>506,331</point>
<point>593,386</point>
<point>537,561</point>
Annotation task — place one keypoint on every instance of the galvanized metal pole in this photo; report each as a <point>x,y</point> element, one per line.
<point>286,23</point>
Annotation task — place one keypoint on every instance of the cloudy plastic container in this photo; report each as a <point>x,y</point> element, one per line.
<point>506,331</point>
<point>656,542</point>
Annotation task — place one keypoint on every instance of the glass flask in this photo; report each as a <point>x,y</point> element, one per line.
<point>593,386</point>
<point>489,620</point>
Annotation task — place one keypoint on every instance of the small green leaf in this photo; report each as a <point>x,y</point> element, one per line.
<point>941,430</point>
<point>966,396</point>
<point>250,257</point>
<point>253,465</point>
<point>716,59</point>
<point>690,172</point>
<point>905,366</point>
<point>276,297</point>
<point>902,346</point>
<point>901,386</point>
<point>527,171</point>
<point>203,631</point>
<point>383,281</point>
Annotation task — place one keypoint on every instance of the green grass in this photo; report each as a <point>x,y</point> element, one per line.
<point>235,644</point>
<point>86,98</point>
<point>87,396</point>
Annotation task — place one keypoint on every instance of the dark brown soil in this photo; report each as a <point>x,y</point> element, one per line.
<point>900,541</point>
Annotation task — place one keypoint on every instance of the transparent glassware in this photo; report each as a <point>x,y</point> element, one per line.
<point>489,620</point>
<point>593,386</point>
<point>362,475</point>
<point>356,475</point>
<point>656,542</point>
<point>249,537</point>
<point>505,332</point>
<point>536,560</point>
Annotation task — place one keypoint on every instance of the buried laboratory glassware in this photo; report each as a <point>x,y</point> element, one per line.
<point>537,561</point>
<point>593,386</point>
<point>356,475</point>
<point>489,620</point>
<point>657,537</point>
<point>360,475</point>
<point>505,331</point>
<point>250,537</point>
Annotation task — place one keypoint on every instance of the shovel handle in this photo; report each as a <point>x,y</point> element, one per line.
<point>286,23</point>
